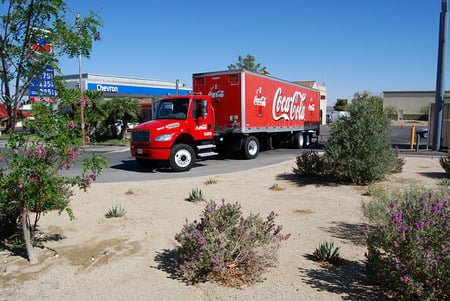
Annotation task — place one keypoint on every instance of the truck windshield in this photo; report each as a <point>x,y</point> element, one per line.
<point>172,109</point>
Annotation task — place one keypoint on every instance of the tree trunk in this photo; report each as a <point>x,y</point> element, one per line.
<point>123,132</point>
<point>26,227</point>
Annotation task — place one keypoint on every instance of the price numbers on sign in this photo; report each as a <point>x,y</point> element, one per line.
<point>43,88</point>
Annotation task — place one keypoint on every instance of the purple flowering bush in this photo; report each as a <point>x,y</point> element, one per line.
<point>226,247</point>
<point>32,179</point>
<point>409,255</point>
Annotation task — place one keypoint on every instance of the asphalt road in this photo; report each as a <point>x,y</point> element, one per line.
<point>124,168</point>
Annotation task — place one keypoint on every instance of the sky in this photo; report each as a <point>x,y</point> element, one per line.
<point>348,45</point>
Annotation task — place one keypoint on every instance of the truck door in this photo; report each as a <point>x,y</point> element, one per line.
<point>203,128</point>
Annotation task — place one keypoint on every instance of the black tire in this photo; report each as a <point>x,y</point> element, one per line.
<point>182,157</point>
<point>307,140</point>
<point>299,140</point>
<point>251,147</point>
<point>146,162</point>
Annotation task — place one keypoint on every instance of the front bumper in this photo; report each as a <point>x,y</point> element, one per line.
<point>151,153</point>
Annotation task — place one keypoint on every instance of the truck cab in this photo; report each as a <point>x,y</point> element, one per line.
<point>182,129</point>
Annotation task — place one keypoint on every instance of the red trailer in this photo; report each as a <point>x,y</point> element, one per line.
<point>233,110</point>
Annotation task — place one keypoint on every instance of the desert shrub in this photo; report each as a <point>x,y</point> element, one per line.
<point>226,247</point>
<point>409,255</point>
<point>359,149</point>
<point>327,252</point>
<point>309,164</point>
<point>399,161</point>
<point>445,163</point>
<point>9,214</point>
<point>377,208</point>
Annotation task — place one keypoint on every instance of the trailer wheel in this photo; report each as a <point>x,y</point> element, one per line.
<point>182,157</point>
<point>146,162</point>
<point>251,147</point>
<point>299,140</point>
<point>307,140</point>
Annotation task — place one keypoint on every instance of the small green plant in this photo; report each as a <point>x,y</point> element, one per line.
<point>196,195</point>
<point>211,181</point>
<point>115,211</point>
<point>226,247</point>
<point>129,192</point>
<point>444,182</point>
<point>327,252</point>
<point>276,187</point>
<point>374,191</point>
<point>445,163</point>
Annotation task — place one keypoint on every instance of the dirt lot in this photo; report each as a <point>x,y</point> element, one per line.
<point>129,258</point>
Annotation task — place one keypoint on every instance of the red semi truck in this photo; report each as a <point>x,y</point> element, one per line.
<point>234,110</point>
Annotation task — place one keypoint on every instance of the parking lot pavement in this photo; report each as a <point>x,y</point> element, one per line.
<point>107,148</point>
<point>99,148</point>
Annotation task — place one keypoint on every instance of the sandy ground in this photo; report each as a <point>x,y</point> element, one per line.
<point>129,258</point>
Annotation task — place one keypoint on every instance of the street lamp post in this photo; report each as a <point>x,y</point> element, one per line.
<point>440,88</point>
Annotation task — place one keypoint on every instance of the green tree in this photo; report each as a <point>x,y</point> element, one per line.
<point>126,109</point>
<point>247,63</point>
<point>94,106</point>
<point>31,179</point>
<point>24,26</point>
<point>377,101</point>
<point>359,149</point>
<point>341,104</point>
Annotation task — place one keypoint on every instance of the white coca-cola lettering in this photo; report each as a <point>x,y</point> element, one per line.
<point>288,108</point>
<point>260,101</point>
<point>216,94</point>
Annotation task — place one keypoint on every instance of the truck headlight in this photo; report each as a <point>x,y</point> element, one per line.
<point>166,137</point>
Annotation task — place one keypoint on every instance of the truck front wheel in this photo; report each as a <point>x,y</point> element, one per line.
<point>251,147</point>
<point>182,157</point>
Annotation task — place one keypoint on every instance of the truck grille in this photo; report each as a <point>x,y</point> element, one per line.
<point>140,136</point>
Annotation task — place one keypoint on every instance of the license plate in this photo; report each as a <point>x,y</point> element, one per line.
<point>140,151</point>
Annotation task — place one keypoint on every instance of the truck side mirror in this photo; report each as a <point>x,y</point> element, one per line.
<point>204,108</point>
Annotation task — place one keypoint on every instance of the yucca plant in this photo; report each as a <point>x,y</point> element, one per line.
<point>115,211</point>
<point>327,252</point>
<point>211,181</point>
<point>196,195</point>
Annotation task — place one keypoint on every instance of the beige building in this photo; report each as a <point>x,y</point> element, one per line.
<point>411,104</point>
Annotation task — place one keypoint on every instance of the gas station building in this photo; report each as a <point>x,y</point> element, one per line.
<point>148,91</point>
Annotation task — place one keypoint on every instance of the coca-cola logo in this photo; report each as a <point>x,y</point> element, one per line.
<point>288,107</point>
<point>216,94</point>
<point>216,91</point>
<point>260,101</point>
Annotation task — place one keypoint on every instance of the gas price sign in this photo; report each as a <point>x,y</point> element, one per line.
<point>43,89</point>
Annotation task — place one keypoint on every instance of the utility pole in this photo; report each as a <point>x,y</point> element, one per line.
<point>440,80</point>
<point>82,100</point>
